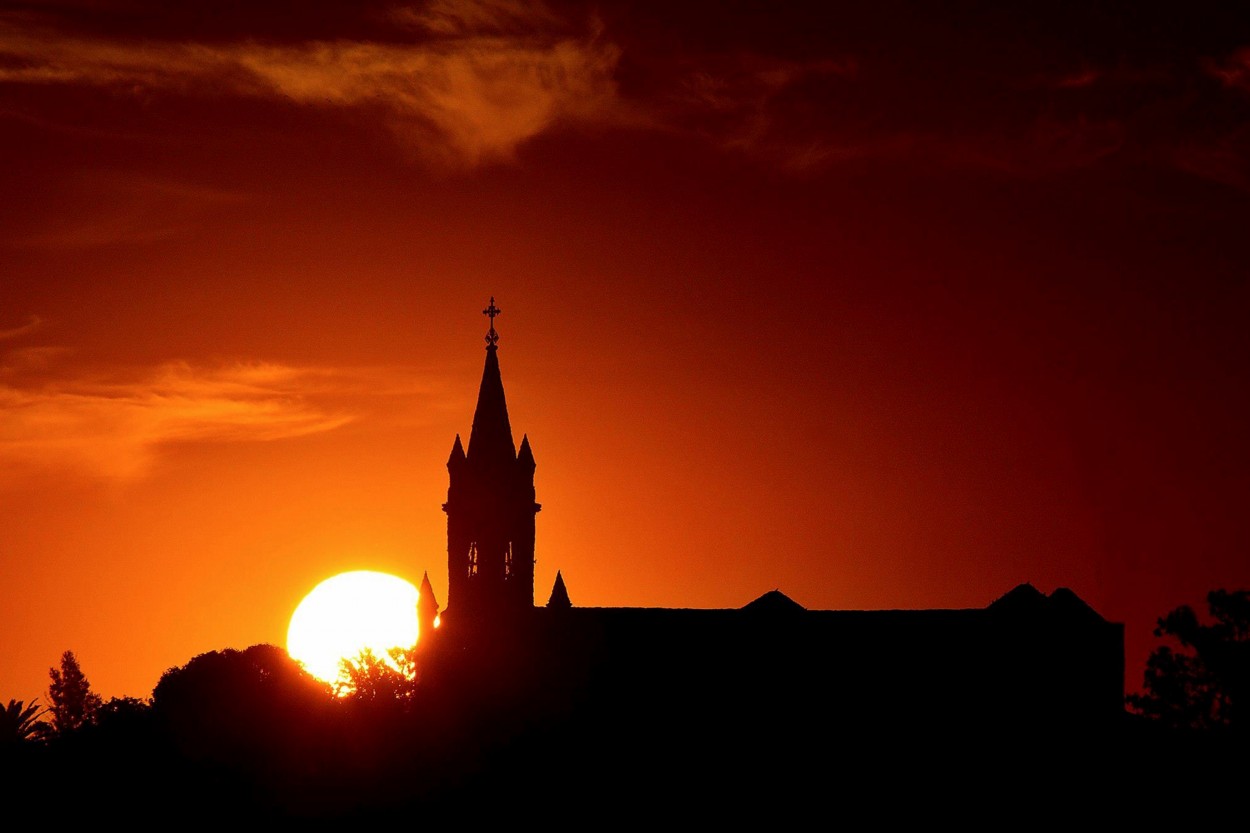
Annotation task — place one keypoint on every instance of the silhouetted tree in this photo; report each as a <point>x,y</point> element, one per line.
<point>369,678</point>
<point>19,721</point>
<point>72,702</point>
<point>240,705</point>
<point>123,714</point>
<point>1202,685</point>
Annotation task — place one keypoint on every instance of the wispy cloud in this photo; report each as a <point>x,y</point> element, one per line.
<point>33,323</point>
<point>1225,160</point>
<point>112,426</point>
<point>487,77</point>
<point>465,83</point>
<point>1045,146</point>
<point>31,359</point>
<point>102,208</point>
<point>473,17</point>
<point>770,107</point>
<point>1234,70</point>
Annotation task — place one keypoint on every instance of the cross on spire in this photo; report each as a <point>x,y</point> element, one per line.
<point>492,337</point>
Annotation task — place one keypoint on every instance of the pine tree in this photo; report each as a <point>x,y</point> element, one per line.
<point>73,703</point>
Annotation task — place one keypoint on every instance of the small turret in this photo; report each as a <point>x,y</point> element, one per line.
<point>457,454</point>
<point>559,599</point>
<point>427,610</point>
<point>525,457</point>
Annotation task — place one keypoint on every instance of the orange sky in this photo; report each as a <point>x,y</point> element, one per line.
<point>884,308</point>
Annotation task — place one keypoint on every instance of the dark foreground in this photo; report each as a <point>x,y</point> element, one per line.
<point>607,768</point>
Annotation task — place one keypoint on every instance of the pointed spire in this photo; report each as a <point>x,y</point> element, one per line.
<point>490,441</point>
<point>457,453</point>
<point>426,593</point>
<point>525,457</point>
<point>559,594</point>
<point>427,612</point>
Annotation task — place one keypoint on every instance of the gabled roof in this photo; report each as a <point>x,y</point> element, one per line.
<point>1067,603</point>
<point>1027,600</point>
<point>774,602</point>
<point>1023,598</point>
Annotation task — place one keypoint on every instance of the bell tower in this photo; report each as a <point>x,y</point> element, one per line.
<point>490,509</point>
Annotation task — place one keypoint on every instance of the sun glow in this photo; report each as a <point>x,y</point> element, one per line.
<point>348,613</point>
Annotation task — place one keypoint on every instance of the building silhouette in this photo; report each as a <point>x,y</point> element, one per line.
<point>684,678</point>
<point>490,507</point>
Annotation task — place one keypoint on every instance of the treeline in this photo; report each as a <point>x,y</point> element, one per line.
<point>249,733</point>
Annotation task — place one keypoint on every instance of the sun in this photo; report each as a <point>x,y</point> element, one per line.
<point>348,613</point>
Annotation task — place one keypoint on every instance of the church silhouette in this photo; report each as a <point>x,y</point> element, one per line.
<point>748,684</point>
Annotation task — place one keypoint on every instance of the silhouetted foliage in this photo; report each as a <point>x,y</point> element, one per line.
<point>1203,684</point>
<point>256,707</point>
<point>72,702</point>
<point>123,715</point>
<point>369,678</point>
<point>19,721</point>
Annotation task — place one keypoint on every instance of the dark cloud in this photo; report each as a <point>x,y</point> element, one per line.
<point>1234,70</point>
<point>469,96</point>
<point>1029,90</point>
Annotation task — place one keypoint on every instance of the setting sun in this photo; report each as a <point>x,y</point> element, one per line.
<point>349,613</point>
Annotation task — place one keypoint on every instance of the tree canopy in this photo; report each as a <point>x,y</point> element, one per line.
<point>1200,680</point>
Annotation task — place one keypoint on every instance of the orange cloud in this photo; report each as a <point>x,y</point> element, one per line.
<point>33,323</point>
<point>103,208</point>
<point>469,96</point>
<point>112,427</point>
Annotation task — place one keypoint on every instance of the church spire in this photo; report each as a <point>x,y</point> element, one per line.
<point>490,510</point>
<point>490,441</point>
